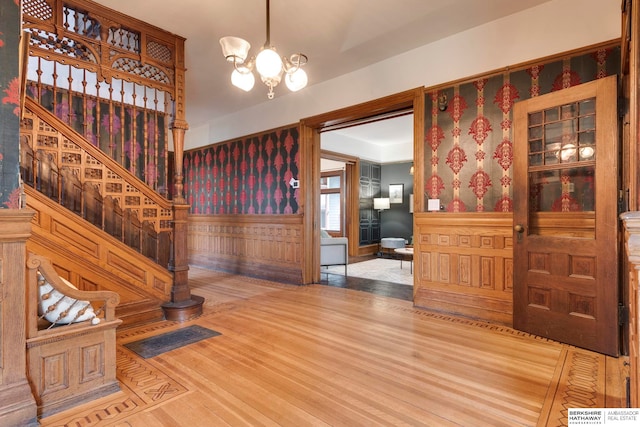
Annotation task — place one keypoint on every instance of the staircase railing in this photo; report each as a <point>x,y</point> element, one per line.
<point>89,64</point>
<point>64,166</point>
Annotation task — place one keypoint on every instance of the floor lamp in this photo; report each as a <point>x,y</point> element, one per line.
<point>381,204</point>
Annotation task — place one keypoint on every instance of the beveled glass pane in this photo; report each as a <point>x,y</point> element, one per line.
<point>552,146</point>
<point>587,152</point>
<point>535,132</point>
<point>588,106</point>
<point>535,146</point>
<point>568,153</point>
<point>587,138</point>
<point>562,190</point>
<point>535,118</point>
<point>551,115</point>
<point>535,160</point>
<point>587,123</point>
<point>551,158</point>
<point>553,132</point>
<point>567,111</point>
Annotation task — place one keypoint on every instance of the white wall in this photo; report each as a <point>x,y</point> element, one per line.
<point>553,27</point>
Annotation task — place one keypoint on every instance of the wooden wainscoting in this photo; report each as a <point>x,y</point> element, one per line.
<point>265,246</point>
<point>464,264</point>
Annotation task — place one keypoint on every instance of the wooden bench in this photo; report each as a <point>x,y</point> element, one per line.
<point>69,364</point>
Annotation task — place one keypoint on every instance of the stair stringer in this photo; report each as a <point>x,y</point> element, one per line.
<point>93,260</point>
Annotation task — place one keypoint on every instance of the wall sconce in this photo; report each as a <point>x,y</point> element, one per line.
<point>443,102</point>
<point>411,169</point>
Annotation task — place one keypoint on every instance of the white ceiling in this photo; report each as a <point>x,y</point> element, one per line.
<point>338,36</point>
<point>385,141</point>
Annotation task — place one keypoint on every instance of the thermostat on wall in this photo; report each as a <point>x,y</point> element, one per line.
<point>433,205</point>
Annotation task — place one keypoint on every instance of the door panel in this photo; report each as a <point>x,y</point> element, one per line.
<point>565,216</point>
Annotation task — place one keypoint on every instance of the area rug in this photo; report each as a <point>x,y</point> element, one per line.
<point>385,269</point>
<point>153,346</point>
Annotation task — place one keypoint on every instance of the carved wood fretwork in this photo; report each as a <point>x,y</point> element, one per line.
<point>60,163</point>
<point>101,40</point>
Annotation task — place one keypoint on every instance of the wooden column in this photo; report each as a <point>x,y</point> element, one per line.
<point>17,404</point>
<point>631,221</point>
<point>183,306</point>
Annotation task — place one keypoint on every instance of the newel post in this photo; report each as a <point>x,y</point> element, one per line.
<point>17,404</point>
<point>183,306</point>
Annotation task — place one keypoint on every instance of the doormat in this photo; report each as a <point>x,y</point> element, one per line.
<point>153,346</point>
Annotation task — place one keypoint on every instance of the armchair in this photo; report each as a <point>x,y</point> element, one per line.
<point>333,251</point>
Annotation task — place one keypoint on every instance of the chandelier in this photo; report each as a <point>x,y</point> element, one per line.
<point>267,63</point>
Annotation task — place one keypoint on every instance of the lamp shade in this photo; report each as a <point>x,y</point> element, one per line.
<point>235,46</point>
<point>381,203</point>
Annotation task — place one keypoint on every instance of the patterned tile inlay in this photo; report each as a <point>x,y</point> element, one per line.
<point>142,386</point>
<point>578,386</point>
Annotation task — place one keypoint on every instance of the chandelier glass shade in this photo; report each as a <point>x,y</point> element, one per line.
<point>268,63</point>
<point>244,81</point>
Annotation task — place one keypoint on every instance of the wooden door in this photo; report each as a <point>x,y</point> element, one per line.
<point>565,216</point>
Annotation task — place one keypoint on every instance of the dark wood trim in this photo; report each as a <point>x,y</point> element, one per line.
<point>396,102</point>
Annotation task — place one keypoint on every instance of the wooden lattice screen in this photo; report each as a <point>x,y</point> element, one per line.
<point>114,83</point>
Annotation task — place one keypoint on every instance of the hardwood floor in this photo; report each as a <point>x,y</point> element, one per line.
<point>378,287</point>
<point>331,356</point>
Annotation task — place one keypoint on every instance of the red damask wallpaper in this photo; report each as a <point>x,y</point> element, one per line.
<point>9,105</point>
<point>468,140</point>
<point>249,176</point>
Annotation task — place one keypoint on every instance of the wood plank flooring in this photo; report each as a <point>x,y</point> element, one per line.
<point>330,356</point>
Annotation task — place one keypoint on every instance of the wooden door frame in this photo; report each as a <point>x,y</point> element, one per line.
<point>310,129</point>
<point>350,195</point>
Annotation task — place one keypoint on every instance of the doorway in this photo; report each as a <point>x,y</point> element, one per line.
<point>565,216</point>
<point>311,129</point>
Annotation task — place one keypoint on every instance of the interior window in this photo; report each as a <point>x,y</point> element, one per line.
<point>331,218</point>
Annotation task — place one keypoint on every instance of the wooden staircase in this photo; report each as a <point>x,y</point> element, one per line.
<point>74,231</point>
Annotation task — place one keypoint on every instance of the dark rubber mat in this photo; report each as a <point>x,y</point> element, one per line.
<point>153,346</point>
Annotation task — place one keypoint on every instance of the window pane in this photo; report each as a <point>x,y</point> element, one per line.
<point>330,182</point>
<point>330,217</point>
<point>568,134</point>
